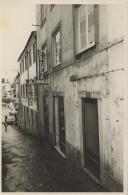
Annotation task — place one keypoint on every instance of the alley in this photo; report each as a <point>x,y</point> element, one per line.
<point>30,165</point>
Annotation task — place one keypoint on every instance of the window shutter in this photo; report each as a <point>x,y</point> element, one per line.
<point>82,14</point>
<point>43,13</point>
<point>91,25</point>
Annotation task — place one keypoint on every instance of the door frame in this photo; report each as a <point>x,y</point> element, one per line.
<point>54,95</point>
<point>92,95</point>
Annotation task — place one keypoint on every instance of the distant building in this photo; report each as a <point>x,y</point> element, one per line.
<point>80,96</point>
<point>16,86</point>
<point>28,87</point>
<point>6,89</point>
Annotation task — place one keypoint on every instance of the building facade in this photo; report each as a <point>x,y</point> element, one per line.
<point>81,96</point>
<point>28,88</point>
<point>6,89</point>
<point>16,87</point>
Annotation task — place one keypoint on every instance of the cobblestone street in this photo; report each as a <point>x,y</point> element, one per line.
<point>29,165</point>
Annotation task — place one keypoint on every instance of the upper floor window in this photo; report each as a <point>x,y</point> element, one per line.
<point>43,13</point>
<point>57,48</point>
<point>34,52</point>
<point>85,27</point>
<point>20,68</point>
<point>26,61</point>
<point>52,6</point>
<point>29,57</point>
<point>22,65</point>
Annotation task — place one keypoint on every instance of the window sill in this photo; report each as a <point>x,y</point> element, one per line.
<point>56,67</point>
<point>83,51</point>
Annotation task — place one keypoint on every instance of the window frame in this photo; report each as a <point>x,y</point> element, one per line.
<point>42,14</point>
<point>56,31</point>
<point>34,52</point>
<point>20,67</point>
<point>52,6</point>
<point>26,61</point>
<point>29,57</point>
<point>79,49</point>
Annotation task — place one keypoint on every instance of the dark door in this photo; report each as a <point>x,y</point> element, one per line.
<point>61,123</point>
<point>46,118</point>
<point>91,136</point>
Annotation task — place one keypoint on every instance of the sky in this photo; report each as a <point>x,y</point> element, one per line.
<point>15,27</point>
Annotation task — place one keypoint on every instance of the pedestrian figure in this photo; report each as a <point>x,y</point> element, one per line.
<point>5,123</point>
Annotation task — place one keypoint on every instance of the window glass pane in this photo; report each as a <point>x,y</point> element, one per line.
<point>83,26</point>
<point>91,19</point>
<point>29,57</point>
<point>90,8</point>
<point>91,30</point>
<point>43,12</point>
<point>82,10</point>
<point>91,35</point>
<point>82,14</point>
<point>34,52</point>
<point>83,41</point>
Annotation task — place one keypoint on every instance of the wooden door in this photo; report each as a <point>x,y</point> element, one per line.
<point>91,136</point>
<point>59,124</point>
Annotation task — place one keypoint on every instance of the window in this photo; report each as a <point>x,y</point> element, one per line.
<point>20,68</point>
<point>34,52</point>
<point>57,48</point>
<point>29,57</point>
<point>52,6</point>
<point>23,65</point>
<point>21,90</point>
<point>26,61</point>
<point>43,13</point>
<point>85,27</point>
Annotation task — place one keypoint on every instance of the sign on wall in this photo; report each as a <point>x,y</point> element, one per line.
<point>41,64</point>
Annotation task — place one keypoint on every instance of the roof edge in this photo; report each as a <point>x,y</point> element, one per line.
<point>31,34</point>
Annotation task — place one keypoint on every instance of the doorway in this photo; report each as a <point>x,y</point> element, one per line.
<point>59,123</point>
<point>91,136</point>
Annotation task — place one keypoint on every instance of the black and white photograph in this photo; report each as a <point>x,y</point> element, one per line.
<point>63,91</point>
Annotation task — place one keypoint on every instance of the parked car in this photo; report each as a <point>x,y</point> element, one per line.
<point>10,120</point>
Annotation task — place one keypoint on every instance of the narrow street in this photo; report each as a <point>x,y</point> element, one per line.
<point>29,165</point>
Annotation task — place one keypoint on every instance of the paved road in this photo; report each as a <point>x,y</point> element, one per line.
<point>31,166</point>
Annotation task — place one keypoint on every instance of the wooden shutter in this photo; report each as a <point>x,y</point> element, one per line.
<point>91,25</point>
<point>82,23</point>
